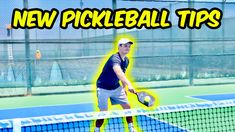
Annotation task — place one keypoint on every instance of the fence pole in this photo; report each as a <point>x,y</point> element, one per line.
<point>191,72</point>
<point>223,8</point>
<point>114,5</point>
<point>27,56</point>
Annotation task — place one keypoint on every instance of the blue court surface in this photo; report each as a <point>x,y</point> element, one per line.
<point>149,124</point>
<point>215,97</point>
<point>45,111</point>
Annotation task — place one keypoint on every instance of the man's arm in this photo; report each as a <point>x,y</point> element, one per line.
<point>123,85</point>
<point>120,74</point>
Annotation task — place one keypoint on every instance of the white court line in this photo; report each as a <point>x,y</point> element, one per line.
<point>206,95</point>
<point>197,98</point>
<point>212,94</point>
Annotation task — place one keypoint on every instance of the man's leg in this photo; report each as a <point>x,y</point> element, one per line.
<point>102,96</point>
<point>119,97</point>
<point>129,118</point>
<point>99,122</point>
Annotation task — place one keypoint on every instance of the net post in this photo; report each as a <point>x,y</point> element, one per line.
<point>16,124</point>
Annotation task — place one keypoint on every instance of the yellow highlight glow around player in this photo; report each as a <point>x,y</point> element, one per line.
<point>113,51</point>
<point>131,97</point>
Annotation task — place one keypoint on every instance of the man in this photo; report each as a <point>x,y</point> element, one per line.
<point>108,82</point>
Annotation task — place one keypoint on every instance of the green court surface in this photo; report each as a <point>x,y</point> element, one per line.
<point>166,96</point>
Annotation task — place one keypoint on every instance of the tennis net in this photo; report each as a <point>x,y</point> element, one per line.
<point>207,116</point>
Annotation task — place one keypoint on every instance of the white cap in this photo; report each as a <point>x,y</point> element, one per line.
<point>124,41</point>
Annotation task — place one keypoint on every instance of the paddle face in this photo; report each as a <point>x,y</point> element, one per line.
<point>141,96</point>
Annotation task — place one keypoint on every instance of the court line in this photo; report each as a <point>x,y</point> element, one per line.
<point>191,96</point>
<point>196,98</point>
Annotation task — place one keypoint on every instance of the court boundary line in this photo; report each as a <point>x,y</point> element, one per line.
<point>191,96</point>
<point>196,98</point>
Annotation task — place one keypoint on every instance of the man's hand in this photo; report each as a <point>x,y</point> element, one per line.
<point>131,89</point>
